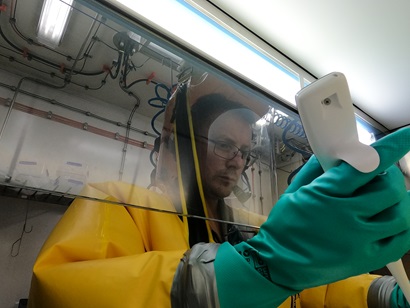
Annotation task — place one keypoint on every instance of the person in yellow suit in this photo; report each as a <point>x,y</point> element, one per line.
<point>314,249</point>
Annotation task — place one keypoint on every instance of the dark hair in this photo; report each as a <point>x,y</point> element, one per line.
<point>204,112</point>
<point>208,107</point>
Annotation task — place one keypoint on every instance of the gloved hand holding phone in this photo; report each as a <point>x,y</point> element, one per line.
<point>324,228</point>
<point>332,226</point>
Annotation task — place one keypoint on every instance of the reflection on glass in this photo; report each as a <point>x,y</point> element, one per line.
<point>209,38</point>
<point>129,129</point>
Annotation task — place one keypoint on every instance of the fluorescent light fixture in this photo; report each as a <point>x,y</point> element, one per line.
<point>137,38</point>
<point>365,136</point>
<point>53,21</point>
<point>190,25</point>
<point>206,36</point>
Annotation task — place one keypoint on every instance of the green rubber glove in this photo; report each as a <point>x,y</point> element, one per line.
<point>324,228</point>
<point>397,299</point>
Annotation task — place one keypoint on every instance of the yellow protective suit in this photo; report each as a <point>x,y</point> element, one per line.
<point>104,255</point>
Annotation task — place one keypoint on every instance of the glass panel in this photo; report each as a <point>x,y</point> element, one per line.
<point>117,114</point>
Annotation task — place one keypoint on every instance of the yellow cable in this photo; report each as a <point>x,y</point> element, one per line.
<point>181,187</point>
<point>197,170</point>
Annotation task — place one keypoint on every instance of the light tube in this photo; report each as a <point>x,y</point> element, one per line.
<point>53,21</point>
<point>208,37</point>
<point>185,22</point>
<point>365,136</point>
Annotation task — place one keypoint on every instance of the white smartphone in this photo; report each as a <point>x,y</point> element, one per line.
<point>326,111</point>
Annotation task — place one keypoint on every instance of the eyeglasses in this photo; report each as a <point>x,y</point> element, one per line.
<point>227,150</point>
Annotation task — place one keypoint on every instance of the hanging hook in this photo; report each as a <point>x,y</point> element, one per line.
<point>15,247</point>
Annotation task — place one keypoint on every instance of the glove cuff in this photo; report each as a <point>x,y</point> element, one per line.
<point>379,293</point>
<point>194,283</point>
<point>240,285</point>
